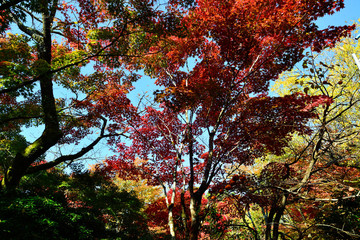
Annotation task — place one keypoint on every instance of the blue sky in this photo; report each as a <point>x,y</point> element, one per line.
<point>350,13</point>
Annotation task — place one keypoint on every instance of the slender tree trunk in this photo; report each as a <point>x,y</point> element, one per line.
<point>170,206</point>
<point>171,221</point>
<point>269,222</point>
<point>195,203</point>
<point>184,215</point>
<point>278,215</point>
<point>273,220</point>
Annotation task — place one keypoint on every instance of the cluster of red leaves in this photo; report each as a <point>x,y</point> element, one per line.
<point>77,20</point>
<point>4,20</point>
<point>157,214</point>
<point>239,45</point>
<point>215,222</point>
<point>246,189</point>
<point>152,153</point>
<point>108,101</point>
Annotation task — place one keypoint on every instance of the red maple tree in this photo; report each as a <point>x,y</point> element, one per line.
<point>217,111</point>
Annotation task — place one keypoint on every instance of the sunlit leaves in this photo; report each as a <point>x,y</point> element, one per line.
<point>215,71</point>
<point>15,58</point>
<point>325,162</point>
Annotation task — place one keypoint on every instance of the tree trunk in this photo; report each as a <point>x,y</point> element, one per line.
<point>195,203</point>
<point>273,220</point>
<point>278,215</point>
<point>170,206</point>
<point>184,216</point>
<point>171,221</point>
<point>52,132</point>
<point>28,156</point>
<point>269,222</point>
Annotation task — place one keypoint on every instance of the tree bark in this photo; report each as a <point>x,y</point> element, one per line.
<point>184,216</point>
<point>195,203</point>
<point>279,212</point>
<point>52,132</point>
<point>171,221</point>
<point>269,222</point>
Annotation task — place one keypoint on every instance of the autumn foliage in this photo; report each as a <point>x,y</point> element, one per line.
<point>215,111</point>
<point>213,62</point>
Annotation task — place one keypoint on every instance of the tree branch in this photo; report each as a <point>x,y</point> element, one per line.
<point>18,118</point>
<point>9,4</point>
<point>30,32</point>
<point>338,229</point>
<point>71,157</point>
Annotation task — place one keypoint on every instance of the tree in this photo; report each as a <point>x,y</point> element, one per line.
<point>45,45</point>
<point>324,166</point>
<point>217,112</point>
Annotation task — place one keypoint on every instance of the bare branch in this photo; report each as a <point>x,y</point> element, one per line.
<point>340,230</point>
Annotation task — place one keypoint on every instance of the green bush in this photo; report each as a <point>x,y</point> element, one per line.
<point>84,205</point>
<point>35,217</point>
